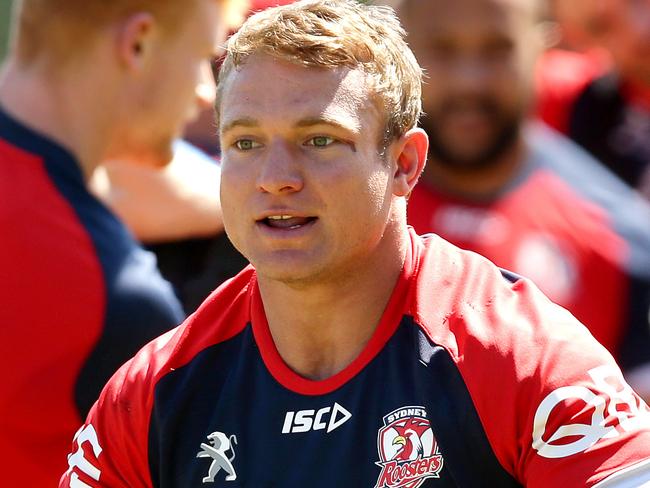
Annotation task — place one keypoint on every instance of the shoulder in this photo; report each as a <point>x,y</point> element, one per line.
<point>460,294</point>
<point>119,422</point>
<point>48,258</point>
<point>598,195</point>
<point>532,370</point>
<point>223,315</point>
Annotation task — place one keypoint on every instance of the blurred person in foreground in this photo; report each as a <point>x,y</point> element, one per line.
<point>85,81</point>
<point>603,106</point>
<point>517,192</point>
<point>354,352</point>
<point>175,212</point>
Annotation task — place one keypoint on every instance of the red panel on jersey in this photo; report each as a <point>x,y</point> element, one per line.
<point>545,231</point>
<point>41,367</point>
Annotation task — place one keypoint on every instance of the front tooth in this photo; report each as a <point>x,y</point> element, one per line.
<point>279,217</point>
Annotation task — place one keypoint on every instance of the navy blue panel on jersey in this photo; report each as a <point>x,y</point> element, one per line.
<point>279,438</point>
<point>636,343</point>
<point>456,423</point>
<point>611,128</point>
<point>140,304</point>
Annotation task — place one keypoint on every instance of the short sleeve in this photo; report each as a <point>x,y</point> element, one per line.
<point>111,448</point>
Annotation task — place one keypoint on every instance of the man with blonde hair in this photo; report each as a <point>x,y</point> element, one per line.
<point>85,81</point>
<point>354,353</point>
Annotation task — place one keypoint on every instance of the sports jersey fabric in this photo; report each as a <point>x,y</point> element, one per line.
<point>611,119</point>
<point>79,298</point>
<point>569,225</point>
<point>579,95</point>
<point>472,378</point>
<point>560,77</point>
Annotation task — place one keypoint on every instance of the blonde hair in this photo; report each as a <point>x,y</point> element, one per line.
<point>332,34</point>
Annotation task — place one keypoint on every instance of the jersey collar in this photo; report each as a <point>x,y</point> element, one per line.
<point>396,307</point>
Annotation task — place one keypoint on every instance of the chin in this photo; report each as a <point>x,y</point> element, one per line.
<point>290,272</point>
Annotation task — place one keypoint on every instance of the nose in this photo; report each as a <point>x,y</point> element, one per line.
<point>205,89</point>
<point>469,74</point>
<point>280,171</point>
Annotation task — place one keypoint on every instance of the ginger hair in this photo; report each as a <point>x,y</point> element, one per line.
<point>62,28</point>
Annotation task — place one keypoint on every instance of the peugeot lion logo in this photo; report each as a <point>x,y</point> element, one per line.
<point>220,444</point>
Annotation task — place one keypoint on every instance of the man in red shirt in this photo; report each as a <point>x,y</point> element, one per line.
<point>603,106</point>
<point>85,81</point>
<point>353,352</point>
<point>519,193</point>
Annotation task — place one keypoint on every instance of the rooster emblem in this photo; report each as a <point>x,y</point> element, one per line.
<point>408,450</point>
<point>410,437</point>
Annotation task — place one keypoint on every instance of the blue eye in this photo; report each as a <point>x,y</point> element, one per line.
<point>320,141</point>
<point>246,144</point>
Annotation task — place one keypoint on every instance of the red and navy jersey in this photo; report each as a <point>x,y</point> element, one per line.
<point>78,297</point>
<point>472,378</point>
<point>560,77</point>
<point>611,119</point>
<point>569,225</point>
<point>581,96</point>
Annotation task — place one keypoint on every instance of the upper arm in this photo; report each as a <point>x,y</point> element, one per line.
<point>553,402</point>
<point>110,449</point>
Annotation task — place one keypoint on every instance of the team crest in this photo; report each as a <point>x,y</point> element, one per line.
<point>408,451</point>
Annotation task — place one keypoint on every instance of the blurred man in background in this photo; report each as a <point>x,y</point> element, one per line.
<point>606,110</point>
<point>520,194</point>
<point>84,82</point>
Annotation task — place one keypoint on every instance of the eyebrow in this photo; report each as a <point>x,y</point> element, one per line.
<point>325,120</point>
<point>247,122</point>
<point>243,122</point>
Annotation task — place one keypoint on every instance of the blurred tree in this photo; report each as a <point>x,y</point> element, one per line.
<point>5,15</point>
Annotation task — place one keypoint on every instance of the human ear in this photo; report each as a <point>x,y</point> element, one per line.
<point>134,40</point>
<point>411,155</point>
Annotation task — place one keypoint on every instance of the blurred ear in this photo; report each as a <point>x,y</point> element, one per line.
<point>135,37</point>
<point>411,155</point>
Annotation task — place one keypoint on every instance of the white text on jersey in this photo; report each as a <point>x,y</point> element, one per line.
<point>614,409</point>
<point>306,420</point>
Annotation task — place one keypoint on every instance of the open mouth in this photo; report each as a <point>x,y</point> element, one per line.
<point>286,222</point>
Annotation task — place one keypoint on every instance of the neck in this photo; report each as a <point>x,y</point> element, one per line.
<point>320,329</point>
<point>481,182</point>
<point>55,104</point>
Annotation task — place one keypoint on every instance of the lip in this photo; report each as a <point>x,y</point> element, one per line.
<point>269,232</point>
<point>275,233</point>
<point>282,211</point>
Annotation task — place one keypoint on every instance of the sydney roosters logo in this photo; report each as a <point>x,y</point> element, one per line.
<point>408,451</point>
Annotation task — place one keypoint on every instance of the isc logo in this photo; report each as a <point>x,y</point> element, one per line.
<point>329,418</point>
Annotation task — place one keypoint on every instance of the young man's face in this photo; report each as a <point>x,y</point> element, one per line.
<point>305,193</point>
<point>478,56</point>
<point>179,68</point>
